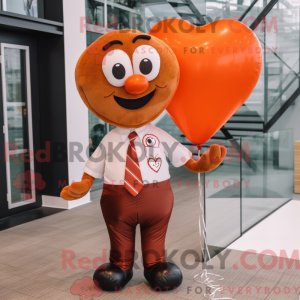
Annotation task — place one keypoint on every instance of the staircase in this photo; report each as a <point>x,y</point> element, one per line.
<point>244,122</point>
<point>278,86</point>
<point>188,11</point>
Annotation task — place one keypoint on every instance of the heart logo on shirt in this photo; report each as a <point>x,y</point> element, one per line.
<point>154,163</point>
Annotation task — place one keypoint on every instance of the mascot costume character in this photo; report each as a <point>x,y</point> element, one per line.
<point>128,80</point>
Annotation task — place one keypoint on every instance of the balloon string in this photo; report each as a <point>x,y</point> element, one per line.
<point>205,277</point>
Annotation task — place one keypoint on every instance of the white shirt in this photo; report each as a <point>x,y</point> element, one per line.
<point>152,144</point>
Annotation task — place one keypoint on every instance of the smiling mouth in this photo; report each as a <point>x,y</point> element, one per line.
<point>134,103</point>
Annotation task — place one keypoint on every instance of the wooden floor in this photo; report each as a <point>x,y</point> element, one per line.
<point>31,258</point>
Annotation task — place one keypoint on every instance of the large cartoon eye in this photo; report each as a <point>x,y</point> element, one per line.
<point>117,67</point>
<point>146,61</point>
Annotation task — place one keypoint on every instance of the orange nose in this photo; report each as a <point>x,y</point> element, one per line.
<point>136,84</point>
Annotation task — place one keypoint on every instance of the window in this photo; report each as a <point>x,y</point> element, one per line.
<point>31,8</point>
<point>21,179</point>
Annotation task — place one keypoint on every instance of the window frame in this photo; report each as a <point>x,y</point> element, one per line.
<point>5,127</point>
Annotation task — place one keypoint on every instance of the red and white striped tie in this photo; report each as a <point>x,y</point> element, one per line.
<point>133,178</point>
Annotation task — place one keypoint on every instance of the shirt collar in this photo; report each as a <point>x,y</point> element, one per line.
<point>124,132</point>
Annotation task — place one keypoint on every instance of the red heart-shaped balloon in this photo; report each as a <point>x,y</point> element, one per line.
<point>220,64</point>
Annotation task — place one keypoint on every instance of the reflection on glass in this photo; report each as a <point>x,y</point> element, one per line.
<point>254,180</point>
<point>21,181</point>
<point>16,93</point>
<point>95,12</point>
<point>95,16</point>
<point>138,22</point>
<point>24,7</point>
<point>117,18</point>
<point>267,174</point>
<point>91,37</point>
<point>16,104</point>
<point>120,19</point>
<point>222,200</point>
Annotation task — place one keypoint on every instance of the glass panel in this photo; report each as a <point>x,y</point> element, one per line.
<point>267,171</point>
<point>16,97</point>
<point>138,22</point>
<point>118,18</point>
<point>23,7</point>
<point>91,37</point>
<point>95,17</point>
<point>22,179</point>
<point>257,172</point>
<point>222,199</point>
<point>21,175</point>
<point>95,12</point>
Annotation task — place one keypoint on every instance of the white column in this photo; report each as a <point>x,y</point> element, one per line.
<point>77,112</point>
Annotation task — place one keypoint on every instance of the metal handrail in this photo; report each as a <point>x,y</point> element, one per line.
<point>247,10</point>
<point>285,89</point>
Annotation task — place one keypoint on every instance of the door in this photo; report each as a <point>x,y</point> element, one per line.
<point>17,117</point>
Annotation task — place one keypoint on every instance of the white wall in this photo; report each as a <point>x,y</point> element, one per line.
<point>77,112</point>
<point>290,119</point>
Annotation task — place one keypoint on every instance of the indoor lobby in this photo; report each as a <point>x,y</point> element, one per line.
<point>233,231</point>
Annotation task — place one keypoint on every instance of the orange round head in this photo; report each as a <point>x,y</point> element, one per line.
<point>127,78</point>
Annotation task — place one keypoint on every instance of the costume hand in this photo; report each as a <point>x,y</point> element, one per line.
<point>208,161</point>
<point>78,189</point>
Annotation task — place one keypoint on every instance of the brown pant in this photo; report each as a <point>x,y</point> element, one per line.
<point>151,208</point>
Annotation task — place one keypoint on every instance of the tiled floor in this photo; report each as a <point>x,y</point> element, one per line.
<point>32,263</point>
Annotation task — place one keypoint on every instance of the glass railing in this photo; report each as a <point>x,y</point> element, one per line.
<point>269,177</point>
<point>222,199</point>
<point>255,179</point>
